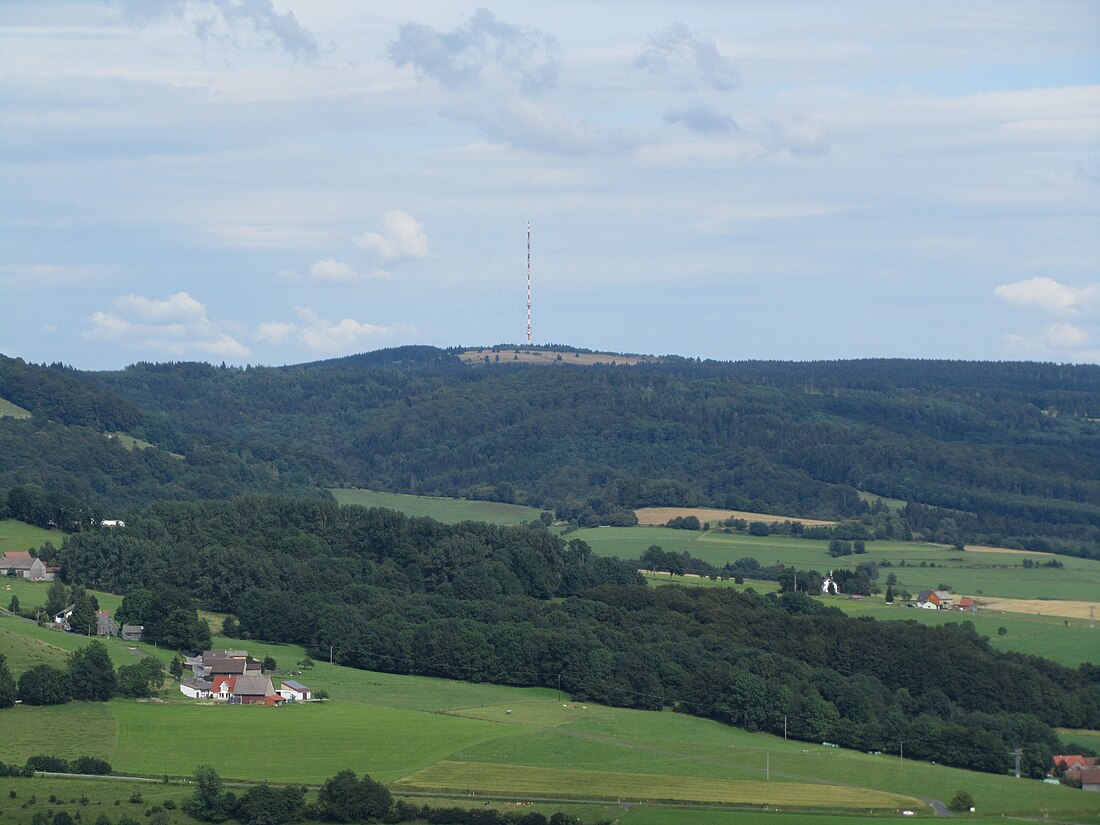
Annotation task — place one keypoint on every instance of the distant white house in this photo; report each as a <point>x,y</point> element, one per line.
<point>829,584</point>
<point>112,522</point>
<point>294,691</point>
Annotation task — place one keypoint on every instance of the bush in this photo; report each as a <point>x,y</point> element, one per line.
<point>961,801</point>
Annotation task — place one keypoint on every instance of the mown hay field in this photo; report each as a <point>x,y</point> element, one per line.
<point>565,782</point>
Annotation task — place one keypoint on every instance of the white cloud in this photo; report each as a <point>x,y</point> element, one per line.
<point>332,270</point>
<point>702,118</point>
<point>320,335</point>
<point>1049,296</point>
<point>176,326</point>
<point>402,237</point>
<point>274,332</point>
<point>1062,339</point>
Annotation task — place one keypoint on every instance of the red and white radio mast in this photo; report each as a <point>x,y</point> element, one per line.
<point>528,283</point>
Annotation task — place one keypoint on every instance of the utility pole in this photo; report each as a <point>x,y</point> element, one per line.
<point>784,727</point>
<point>901,750</point>
<point>330,654</point>
<point>1017,753</point>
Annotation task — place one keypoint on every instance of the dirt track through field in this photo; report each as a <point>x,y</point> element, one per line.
<point>657,516</point>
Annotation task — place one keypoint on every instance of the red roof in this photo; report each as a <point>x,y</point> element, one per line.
<point>1090,776</point>
<point>17,558</point>
<point>229,681</point>
<point>1073,761</point>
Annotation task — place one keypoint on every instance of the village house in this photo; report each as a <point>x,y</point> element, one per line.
<point>216,663</point>
<point>222,687</point>
<point>251,690</point>
<point>935,600</point>
<point>112,522</point>
<point>23,565</point>
<point>294,691</point>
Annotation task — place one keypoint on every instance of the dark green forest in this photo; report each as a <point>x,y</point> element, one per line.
<point>999,453</point>
<point>518,605</point>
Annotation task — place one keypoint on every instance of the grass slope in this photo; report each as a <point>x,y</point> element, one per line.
<point>414,730</point>
<point>447,510</point>
<point>10,410</point>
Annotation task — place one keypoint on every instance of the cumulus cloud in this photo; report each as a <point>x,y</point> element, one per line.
<point>274,332</point>
<point>483,48</point>
<point>332,270</point>
<point>223,19</point>
<point>322,336</point>
<point>525,125</point>
<point>690,59</point>
<point>702,119</point>
<point>1057,339</point>
<point>1050,296</point>
<point>177,325</point>
<point>402,236</point>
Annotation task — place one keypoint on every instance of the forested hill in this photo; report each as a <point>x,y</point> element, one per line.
<point>76,449</point>
<point>992,452</point>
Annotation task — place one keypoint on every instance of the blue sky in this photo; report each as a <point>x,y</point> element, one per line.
<point>274,181</point>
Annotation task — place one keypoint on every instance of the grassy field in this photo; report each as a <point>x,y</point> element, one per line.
<point>448,510</point>
<point>926,565</point>
<point>17,536</point>
<point>414,731</point>
<point>10,410</point>
<point>1088,738</point>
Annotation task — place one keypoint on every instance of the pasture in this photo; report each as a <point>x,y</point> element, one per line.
<point>917,566</point>
<point>419,732</point>
<point>17,536</point>
<point>447,510</point>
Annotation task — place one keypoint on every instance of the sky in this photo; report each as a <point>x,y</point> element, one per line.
<point>279,181</point>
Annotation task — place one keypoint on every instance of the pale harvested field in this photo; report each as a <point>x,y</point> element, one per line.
<point>536,356</point>
<point>982,548</point>
<point>1039,607</point>
<point>522,780</point>
<point>658,516</point>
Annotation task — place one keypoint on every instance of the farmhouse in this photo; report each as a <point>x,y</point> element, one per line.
<point>225,663</point>
<point>1072,763</point>
<point>63,616</point>
<point>26,566</point>
<point>966,603</point>
<point>251,690</point>
<point>294,691</point>
<point>222,687</point>
<point>132,632</point>
<point>935,600</point>
<point>112,522</point>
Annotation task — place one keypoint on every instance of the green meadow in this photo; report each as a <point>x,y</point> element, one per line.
<point>438,735</point>
<point>448,510</point>
<point>10,410</point>
<point>17,536</point>
<point>926,565</point>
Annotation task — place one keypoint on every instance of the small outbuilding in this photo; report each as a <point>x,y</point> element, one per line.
<point>294,691</point>
<point>196,688</point>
